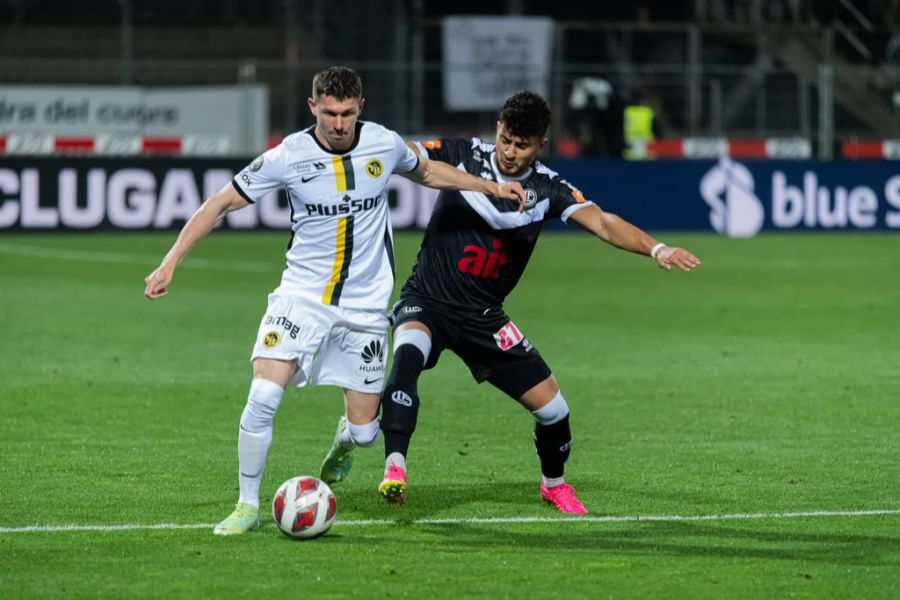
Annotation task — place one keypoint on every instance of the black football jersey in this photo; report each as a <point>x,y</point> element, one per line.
<point>476,247</point>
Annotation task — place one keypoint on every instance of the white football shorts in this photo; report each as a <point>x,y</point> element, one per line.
<point>331,344</point>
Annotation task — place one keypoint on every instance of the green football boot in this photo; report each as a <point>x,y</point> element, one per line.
<point>244,518</point>
<point>337,463</point>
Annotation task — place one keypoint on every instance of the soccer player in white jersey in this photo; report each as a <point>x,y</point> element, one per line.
<point>326,323</point>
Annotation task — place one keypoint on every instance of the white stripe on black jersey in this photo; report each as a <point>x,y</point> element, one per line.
<point>476,246</point>
<point>498,218</point>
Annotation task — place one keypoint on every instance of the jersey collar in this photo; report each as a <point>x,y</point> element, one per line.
<point>311,132</point>
<point>505,178</point>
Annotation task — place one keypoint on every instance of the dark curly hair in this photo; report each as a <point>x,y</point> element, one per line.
<point>525,114</point>
<point>340,82</point>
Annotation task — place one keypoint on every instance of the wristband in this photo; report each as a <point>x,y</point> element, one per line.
<point>656,249</point>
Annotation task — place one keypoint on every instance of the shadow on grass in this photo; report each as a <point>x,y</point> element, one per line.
<point>727,540</point>
<point>426,501</point>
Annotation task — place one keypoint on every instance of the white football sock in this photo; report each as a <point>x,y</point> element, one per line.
<point>417,338</point>
<point>551,481</point>
<point>252,450</point>
<point>553,412</point>
<point>255,436</point>
<point>395,458</point>
<point>353,435</point>
<point>364,435</point>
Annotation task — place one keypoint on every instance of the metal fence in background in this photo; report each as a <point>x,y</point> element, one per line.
<point>704,80</point>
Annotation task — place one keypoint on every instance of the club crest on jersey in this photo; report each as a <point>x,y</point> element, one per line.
<point>271,339</point>
<point>374,168</point>
<point>530,197</point>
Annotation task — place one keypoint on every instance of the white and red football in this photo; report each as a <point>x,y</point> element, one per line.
<point>304,507</point>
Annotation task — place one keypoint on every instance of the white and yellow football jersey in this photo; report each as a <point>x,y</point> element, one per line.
<point>341,250</point>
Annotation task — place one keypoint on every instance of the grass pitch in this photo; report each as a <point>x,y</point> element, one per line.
<point>765,382</point>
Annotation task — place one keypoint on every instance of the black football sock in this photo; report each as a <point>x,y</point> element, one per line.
<point>400,399</point>
<point>553,443</point>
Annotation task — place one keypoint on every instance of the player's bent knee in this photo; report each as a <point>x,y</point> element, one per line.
<point>364,435</point>
<point>262,402</point>
<point>553,412</point>
<point>415,338</point>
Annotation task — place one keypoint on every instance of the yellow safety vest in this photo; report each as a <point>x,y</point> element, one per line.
<point>638,131</point>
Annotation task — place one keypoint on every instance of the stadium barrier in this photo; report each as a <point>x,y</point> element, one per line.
<point>43,143</point>
<point>714,147</point>
<point>117,144</point>
<point>732,197</point>
<point>866,149</point>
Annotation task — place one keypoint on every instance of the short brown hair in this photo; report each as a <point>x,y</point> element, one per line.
<point>525,114</point>
<point>340,82</point>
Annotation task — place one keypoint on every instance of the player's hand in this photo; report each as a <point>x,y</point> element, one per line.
<point>512,191</point>
<point>681,258</point>
<point>158,281</point>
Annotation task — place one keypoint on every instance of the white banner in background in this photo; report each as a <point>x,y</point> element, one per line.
<point>237,113</point>
<point>488,58</point>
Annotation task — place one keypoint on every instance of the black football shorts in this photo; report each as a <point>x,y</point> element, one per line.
<point>486,340</point>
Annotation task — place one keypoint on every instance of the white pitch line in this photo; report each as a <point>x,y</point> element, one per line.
<point>54,528</point>
<point>133,259</point>
<point>489,520</point>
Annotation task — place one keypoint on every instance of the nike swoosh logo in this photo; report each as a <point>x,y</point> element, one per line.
<point>308,179</point>
<point>368,382</point>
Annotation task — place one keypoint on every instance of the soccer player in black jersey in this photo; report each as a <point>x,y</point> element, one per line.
<point>474,252</point>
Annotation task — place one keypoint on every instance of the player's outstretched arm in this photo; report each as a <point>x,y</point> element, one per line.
<point>440,175</point>
<point>618,232</point>
<point>201,223</point>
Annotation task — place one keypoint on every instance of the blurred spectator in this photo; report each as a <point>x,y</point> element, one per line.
<point>892,20</point>
<point>641,124</point>
<point>597,117</point>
